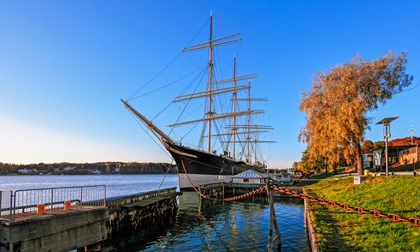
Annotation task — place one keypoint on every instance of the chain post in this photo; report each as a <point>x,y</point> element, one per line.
<point>273,227</point>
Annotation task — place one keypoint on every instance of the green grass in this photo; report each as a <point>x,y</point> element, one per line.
<point>339,230</point>
<point>322,175</point>
<point>313,179</point>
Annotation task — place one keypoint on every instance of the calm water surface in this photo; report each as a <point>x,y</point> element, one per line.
<point>231,226</point>
<point>197,227</point>
<point>116,185</point>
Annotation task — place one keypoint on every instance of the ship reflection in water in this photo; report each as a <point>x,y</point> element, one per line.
<point>223,227</point>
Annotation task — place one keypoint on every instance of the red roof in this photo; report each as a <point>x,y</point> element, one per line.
<point>403,141</point>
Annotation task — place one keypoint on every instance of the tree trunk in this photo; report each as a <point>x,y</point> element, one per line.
<point>359,159</point>
<point>325,163</point>
<point>335,168</point>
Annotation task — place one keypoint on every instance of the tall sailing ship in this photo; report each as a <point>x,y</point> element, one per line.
<point>238,137</point>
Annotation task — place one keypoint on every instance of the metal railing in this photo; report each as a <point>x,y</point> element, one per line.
<point>49,200</point>
<point>5,204</point>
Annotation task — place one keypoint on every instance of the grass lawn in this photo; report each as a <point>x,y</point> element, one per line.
<point>339,230</point>
<point>313,179</point>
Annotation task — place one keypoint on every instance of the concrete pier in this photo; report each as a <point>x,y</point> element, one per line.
<point>61,231</point>
<point>86,226</point>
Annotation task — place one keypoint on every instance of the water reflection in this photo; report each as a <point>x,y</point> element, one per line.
<point>221,226</point>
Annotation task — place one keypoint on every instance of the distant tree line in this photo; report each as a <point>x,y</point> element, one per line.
<point>87,168</point>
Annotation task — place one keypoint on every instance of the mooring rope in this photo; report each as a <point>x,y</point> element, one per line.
<point>193,186</point>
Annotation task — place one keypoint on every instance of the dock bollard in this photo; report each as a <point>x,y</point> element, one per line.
<point>40,208</point>
<point>67,205</point>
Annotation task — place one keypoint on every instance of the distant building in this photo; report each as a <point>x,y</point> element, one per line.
<point>275,171</point>
<point>27,171</point>
<point>68,168</point>
<point>378,158</point>
<point>367,160</point>
<point>280,174</point>
<point>251,177</point>
<point>396,155</point>
<point>410,155</point>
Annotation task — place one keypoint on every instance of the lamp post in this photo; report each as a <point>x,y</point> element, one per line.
<point>387,134</point>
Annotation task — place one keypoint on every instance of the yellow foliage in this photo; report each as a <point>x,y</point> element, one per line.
<point>337,105</point>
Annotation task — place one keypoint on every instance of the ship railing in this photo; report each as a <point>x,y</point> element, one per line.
<point>30,202</point>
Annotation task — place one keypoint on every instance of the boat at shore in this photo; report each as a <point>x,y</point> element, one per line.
<point>238,134</point>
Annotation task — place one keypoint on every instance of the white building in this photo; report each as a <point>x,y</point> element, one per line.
<point>251,177</point>
<point>27,171</point>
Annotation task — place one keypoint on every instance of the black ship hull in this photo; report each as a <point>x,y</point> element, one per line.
<point>197,167</point>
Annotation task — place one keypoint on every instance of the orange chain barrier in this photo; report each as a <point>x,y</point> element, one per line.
<point>248,194</point>
<point>360,210</point>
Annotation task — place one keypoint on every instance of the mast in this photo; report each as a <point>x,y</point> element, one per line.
<point>212,90</point>
<point>234,96</point>
<point>209,113</point>
<point>239,128</point>
<point>248,139</point>
<point>252,128</point>
<point>255,150</point>
<point>210,84</point>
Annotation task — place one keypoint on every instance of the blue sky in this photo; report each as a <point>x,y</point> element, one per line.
<point>64,65</point>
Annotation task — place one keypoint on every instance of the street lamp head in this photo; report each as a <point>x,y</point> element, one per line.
<point>387,120</point>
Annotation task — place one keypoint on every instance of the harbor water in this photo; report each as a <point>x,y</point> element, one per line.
<point>198,226</point>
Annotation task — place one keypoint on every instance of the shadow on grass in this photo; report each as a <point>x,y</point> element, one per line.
<point>328,235</point>
<point>304,181</point>
<point>406,212</point>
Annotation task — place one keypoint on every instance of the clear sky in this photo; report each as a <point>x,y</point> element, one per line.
<point>64,65</point>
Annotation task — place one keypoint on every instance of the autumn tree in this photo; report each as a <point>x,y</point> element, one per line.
<point>295,166</point>
<point>367,146</point>
<point>379,145</point>
<point>307,165</point>
<point>337,105</point>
